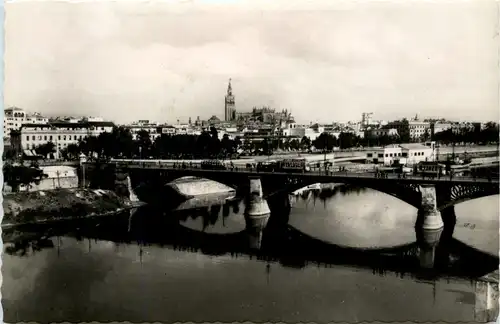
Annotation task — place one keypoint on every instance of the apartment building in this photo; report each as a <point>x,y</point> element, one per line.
<point>60,133</point>
<point>380,132</point>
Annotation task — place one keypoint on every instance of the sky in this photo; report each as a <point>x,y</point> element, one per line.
<point>331,61</point>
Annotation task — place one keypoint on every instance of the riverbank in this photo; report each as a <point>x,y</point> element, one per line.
<point>60,204</point>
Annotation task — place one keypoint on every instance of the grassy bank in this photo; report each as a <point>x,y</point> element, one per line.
<point>44,206</point>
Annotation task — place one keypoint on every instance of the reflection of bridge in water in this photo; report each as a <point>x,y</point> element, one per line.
<point>288,248</point>
<point>278,241</point>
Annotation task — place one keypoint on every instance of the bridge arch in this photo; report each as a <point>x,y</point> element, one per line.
<point>461,193</point>
<point>409,193</point>
<point>160,178</point>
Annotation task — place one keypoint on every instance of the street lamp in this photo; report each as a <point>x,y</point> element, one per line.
<point>325,147</point>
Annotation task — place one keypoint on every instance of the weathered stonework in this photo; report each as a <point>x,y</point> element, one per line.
<point>432,217</point>
<point>257,212</point>
<point>486,307</point>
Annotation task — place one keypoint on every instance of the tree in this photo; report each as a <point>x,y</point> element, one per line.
<point>143,143</point>
<point>16,175</point>
<point>227,145</point>
<point>305,143</point>
<point>347,140</point>
<point>294,144</point>
<point>125,142</point>
<point>325,141</point>
<point>73,151</point>
<point>266,147</point>
<point>215,145</point>
<point>237,143</point>
<point>425,136</point>
<point>9,154</point>
<point>203,144</point>
<point>89,145</point>
<point>490,133</point>
<point>45,149</point>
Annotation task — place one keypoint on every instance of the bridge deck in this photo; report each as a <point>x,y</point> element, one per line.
<point>321,176</point>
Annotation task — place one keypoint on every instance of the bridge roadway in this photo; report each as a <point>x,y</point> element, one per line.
<point>320,176</point>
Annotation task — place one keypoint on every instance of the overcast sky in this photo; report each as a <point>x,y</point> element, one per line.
<point>153,60</point>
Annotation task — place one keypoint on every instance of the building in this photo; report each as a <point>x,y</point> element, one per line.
<point>406,154</point>
<point>312,132</point>
<point>415,129</point>
<point>229,107</point>
<point>60,133</point>
<point>15,117</point>
<point>154,129</point>
<point>381,132</point>
<point>366,119</point>
<point>36,118</point>
<point>419,129</point>
<point>214,120</point>
<point>265,115</point>
<point>438,127</point>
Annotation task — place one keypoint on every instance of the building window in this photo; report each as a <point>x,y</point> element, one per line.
<point>59,137</point>
<point>69,137</point>
<point>380,155</point>
<point>50,137</point>
<point>386,155</point>
<point>27,138</point>
<point>45,138</point>
<point>64,137</point>
<point>369,154</point>
<point>33,137</point>
<point>405,154</point>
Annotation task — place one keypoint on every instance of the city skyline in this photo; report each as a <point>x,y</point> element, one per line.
<point>129,61</point>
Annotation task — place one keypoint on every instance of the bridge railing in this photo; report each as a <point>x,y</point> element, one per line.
<point>321,172</point>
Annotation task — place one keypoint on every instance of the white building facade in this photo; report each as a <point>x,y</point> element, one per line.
<point>406,154</point>
<point>61,134</point>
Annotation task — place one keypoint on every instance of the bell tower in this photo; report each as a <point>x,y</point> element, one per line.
<point>229,107</point>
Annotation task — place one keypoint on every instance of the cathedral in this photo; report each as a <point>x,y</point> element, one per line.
<point>230,109</point>
<point>264,115</point>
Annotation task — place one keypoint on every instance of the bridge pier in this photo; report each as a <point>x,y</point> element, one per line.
<point>431,216</point>
<point>444,249</point>
<point>122,180</point>
<point>256,213</point>
<point>428,240</point>
<point>429,226</point>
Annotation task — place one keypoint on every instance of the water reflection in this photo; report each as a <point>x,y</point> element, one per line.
<point>189,257</point>
<point>218,229</point>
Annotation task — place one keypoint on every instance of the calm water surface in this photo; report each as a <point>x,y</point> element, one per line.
<point>131,276</point>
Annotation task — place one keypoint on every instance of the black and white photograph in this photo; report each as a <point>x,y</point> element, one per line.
<point>258,161</point>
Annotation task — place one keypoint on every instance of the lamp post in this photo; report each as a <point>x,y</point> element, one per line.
<point>325,147</point>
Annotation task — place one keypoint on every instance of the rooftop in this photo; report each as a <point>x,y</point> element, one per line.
<point>414,146</point>
<point>14,108</point>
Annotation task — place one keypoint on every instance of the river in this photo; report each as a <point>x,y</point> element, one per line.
<point>195,265</point>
